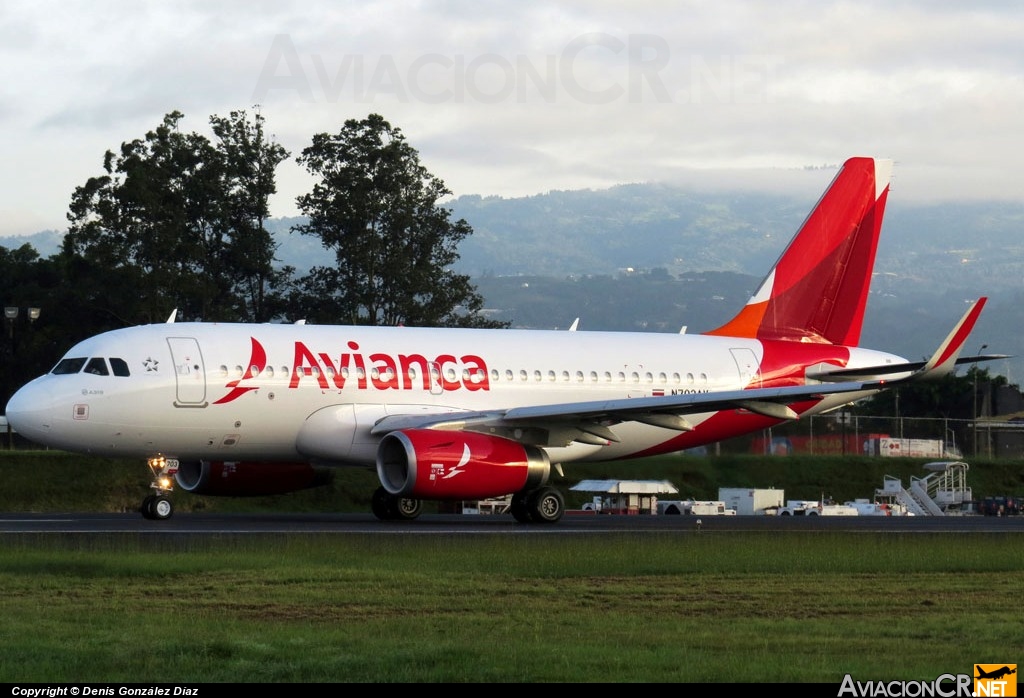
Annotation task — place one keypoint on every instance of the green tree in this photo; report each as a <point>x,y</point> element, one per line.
<point>34,333</point>
<point>248,162</point>
<point>177,221</point>
<point>950,397</point>
<point>375,206</point>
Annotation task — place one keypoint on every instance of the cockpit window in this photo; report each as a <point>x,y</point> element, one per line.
<point>66,366</point>
<point>97,366</point>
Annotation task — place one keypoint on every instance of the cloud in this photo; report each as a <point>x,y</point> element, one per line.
<point>523,98</point>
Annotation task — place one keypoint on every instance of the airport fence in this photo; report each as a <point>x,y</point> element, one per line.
<point>844,433</point>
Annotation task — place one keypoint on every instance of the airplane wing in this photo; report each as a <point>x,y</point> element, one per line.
<point>593,417</point>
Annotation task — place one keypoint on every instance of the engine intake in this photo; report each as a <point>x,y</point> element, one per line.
<point>438,464</point>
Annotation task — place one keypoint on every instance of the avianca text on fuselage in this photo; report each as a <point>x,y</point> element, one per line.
<point>376,371</point>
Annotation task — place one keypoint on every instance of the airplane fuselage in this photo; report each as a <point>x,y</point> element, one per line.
<point>303,392</point>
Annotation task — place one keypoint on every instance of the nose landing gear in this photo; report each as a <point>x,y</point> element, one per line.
<point>158,506</point>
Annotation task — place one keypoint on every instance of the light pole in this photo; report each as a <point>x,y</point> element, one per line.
<point>14,338</point>
<point>11,313</point>
<point>981,349</point>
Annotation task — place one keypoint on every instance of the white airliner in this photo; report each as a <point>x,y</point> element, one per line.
<point>454,414</point>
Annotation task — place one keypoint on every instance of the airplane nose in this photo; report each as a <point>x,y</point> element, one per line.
<point>30,412</point>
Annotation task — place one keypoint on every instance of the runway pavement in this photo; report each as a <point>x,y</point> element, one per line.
<point>435,524</point>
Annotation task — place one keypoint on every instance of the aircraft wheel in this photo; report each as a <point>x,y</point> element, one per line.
<point>161,508</point>
<point>383,504</point>
<point>147,506</point>
<point>406,508</point>
<point>546,505</point>
<point>520,508</point>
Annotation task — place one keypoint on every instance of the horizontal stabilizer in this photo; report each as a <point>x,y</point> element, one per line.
<point>942,362</point>
<point>867,373</point>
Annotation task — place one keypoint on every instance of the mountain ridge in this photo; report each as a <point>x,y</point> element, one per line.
<point>658,257</point>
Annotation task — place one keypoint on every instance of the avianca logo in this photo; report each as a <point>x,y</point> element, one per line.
<point>257,362</point>
<point>443,373</point>
<point>437,470</point>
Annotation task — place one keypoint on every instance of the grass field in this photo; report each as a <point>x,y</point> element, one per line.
<point>695,607</point>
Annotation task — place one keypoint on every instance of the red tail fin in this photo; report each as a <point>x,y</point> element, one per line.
<point>818,289</point>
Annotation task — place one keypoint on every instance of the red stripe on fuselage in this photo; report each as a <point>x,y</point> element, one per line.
<point>783,364</point>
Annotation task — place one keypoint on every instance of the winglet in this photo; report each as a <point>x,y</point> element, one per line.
<point>944,359</point>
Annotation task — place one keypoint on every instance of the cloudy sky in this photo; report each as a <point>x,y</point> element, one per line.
<point>524,97</point>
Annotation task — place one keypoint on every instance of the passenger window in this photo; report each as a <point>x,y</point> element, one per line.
<point>97,366</point>
<point>120,368</point>
<point>67,366</point>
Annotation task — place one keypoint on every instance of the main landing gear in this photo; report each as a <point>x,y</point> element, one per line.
<point>389,507</point>
<point>542,505</point>
<point>158,506</point>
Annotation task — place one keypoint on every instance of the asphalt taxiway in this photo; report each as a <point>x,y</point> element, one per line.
<point>452,524</point>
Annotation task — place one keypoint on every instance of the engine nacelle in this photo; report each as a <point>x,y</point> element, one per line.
<point>241,479</point>
<point>439,464</point>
